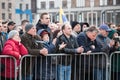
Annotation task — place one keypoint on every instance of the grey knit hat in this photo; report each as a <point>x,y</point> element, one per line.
<point>12,33</point>
<point>28,27</point>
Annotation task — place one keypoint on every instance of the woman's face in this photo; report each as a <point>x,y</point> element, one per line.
<point>16,37</point>
<point>45,37</point>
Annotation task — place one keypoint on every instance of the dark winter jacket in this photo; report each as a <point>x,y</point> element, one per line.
<point>84,41</point>
<point>30,43</point>
<point>33,47</point>
<point>3,39</point>
<point>70,48</point>
<point>42,26</point>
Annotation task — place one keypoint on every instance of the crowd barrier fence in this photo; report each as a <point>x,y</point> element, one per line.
<point>80,66</point>
<point>115,66</point>
<point>8,67</point>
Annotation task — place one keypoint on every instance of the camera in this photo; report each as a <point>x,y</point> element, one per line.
<point>117,38</point>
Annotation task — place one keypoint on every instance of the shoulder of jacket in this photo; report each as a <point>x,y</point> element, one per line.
<point>10,42</point>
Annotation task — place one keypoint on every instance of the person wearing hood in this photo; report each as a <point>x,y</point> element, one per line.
<point>113,35</point>
<point>45,36</point>
<point>47,69</point>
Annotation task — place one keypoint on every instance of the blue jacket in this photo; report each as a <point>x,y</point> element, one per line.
<point>49,45</point>
<point>84,41</point>
<point>46,61</point>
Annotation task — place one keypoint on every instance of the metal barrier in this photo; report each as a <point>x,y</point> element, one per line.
<point>93,66</point>
<point>115,66</point>
<point>8,67</point>
<point>42,67</point>
<point>76,67</point>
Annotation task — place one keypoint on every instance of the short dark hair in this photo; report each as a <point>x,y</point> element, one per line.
<point>24,21</point>
<point>5,22</point>
<point>63,26</point>
<point>92,29</point>
<point>45,13</point>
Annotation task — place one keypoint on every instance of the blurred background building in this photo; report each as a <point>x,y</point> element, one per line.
<point>8,10</point>
<point>91,11</point>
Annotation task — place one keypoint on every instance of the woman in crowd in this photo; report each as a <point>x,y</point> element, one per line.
<point>12,47</point>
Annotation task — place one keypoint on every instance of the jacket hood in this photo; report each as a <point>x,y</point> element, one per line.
<point>42,30</point>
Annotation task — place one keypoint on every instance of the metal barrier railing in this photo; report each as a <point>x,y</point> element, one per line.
<point>76,67</point>
<point>89,66</point>
<point>42,67</point>
<point>115,66</point>
<point>8,67</point>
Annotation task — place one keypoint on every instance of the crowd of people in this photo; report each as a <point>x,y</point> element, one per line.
<point>46,37</point>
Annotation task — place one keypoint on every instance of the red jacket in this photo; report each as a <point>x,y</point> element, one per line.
<point>15,49</point>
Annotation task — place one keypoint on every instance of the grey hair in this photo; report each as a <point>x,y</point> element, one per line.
<point>12,33</point>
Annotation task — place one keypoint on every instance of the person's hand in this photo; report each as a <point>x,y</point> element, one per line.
<point>80,49</point>
<point>44,51</point>
<point>54,41</point>
<point>88,52</point>
<point>112,42</point>
<point>61,46</point>
<point>19,56</point>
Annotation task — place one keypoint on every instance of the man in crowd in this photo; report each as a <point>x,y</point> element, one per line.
<point>87,39</point>
<point>29,40</point>
<point>64,65</point>
<point>5,29</point>
<point>106,43</point>
<point>23,24</point>
<point>2,38</point>
<point>11,26</point>
<point>43,22</point>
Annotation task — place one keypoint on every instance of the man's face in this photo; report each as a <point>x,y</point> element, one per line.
<point>77,28</point>
<point>45,19</point>
<point>68,29</point>
<point>53,27</point>
<point>32,31</point>
<point>4,27</point>
<point>23,26</point>
<point>11,27</point>
<point>104,32</point>
<point>92,35</point>
<point>118,28</point>
<point>45,37</point>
